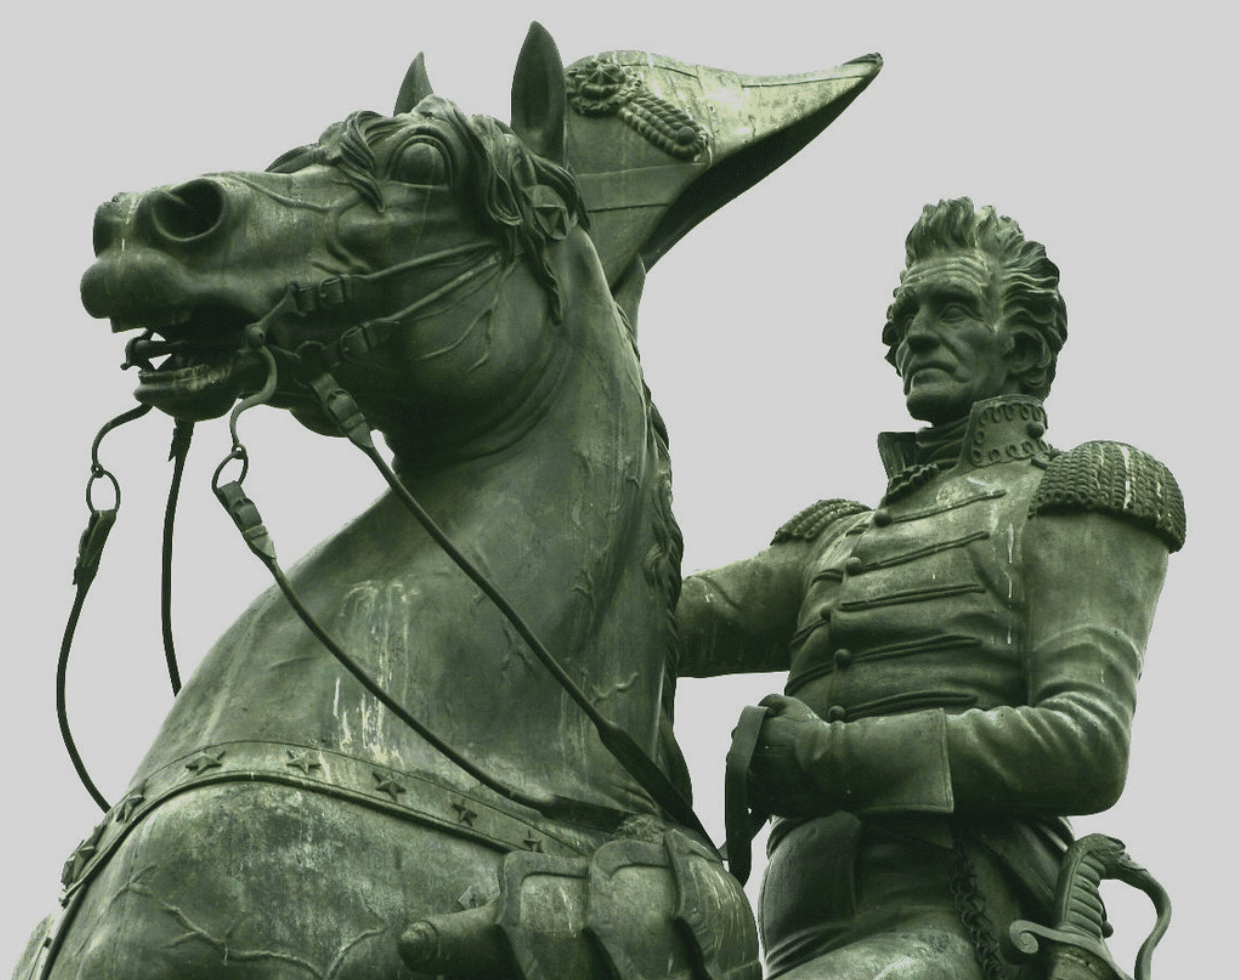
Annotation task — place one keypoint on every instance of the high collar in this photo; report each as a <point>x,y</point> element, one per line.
<point>998,430</point>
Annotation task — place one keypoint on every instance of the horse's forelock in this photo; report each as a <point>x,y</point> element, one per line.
<point>347,146</point>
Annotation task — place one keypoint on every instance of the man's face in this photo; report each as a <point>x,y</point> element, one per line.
<point>952,349</point>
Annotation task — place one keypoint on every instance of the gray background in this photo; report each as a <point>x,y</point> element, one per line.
<point>1109,136</point>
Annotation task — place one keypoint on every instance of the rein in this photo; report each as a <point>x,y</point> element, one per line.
<point>90,551</point>
<point>339,406</point>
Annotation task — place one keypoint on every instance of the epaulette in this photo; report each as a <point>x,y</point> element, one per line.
<point>815,519</point>
<point>1115,479</point>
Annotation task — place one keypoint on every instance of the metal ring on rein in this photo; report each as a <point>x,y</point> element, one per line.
<point>238,452</point>
<point>97,472</point>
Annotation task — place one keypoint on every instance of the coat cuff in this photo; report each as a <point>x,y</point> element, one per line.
<point>896,764</point>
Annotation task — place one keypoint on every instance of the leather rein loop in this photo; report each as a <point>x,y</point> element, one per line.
<point>741,821</point>
<point>90,552</point>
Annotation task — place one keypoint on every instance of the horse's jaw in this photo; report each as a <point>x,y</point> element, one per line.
<point>198,386</point>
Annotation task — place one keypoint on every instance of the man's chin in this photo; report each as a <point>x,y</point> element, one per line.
<point>935,406</point>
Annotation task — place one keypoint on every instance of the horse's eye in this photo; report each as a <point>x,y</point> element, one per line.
<point>419,162</point>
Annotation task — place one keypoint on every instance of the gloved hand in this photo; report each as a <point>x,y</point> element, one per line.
<point>778,780</point>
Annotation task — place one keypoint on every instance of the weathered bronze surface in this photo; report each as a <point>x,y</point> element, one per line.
<point>963,659</point>
<point>759,340</point>
<point>439,270</point>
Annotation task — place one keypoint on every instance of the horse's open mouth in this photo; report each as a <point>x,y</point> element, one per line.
<point>207,367</point>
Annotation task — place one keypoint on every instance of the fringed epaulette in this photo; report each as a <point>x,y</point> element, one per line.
<point>816,518</point>
<point>1112,478</point>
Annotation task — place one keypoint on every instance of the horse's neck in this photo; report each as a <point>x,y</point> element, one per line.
<point>567,517</point>
<point>569,520</point>
<point>563,499</point>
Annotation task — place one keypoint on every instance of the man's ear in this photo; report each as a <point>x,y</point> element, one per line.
<point>1027,354</point>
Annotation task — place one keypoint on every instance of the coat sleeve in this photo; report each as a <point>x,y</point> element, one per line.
<point>1092,582</point>
<point>739,618</point>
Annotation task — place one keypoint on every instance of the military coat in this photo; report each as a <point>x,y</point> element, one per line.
<point>973,644</point>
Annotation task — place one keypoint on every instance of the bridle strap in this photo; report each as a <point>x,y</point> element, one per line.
<point>335,292</point>
<point>358,341</point>
<point>338,290</point>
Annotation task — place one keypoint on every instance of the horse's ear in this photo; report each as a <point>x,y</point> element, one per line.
<point>415,87</point>
<point>539,99</point>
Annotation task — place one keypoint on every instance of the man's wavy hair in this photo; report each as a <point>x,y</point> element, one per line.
<point>1028,286</point>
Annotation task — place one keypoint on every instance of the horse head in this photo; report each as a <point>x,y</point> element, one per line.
<point>381,227</point>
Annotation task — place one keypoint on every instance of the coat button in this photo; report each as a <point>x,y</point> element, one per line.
<point>836,713</point>
<point>843,658</point>
<point>854,565</point>
<point>882,517</point>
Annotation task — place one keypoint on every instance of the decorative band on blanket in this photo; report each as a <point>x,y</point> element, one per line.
<point>401,794</point>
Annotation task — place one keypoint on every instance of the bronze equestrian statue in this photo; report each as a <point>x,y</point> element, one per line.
<point>482,780</point>
<point>962,659</point>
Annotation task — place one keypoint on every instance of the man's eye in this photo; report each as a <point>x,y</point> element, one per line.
<point>953,312</point>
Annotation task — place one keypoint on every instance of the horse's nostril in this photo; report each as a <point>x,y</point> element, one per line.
<point>189,211</point>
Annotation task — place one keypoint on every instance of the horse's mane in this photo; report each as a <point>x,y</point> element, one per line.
<point>662,568</point>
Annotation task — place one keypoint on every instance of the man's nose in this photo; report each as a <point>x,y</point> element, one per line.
<point>920,336</point>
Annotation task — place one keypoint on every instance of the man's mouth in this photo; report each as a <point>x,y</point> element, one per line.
<point>923,373</point>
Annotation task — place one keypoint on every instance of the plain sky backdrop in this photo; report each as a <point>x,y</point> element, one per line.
<point>1107,132</point>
